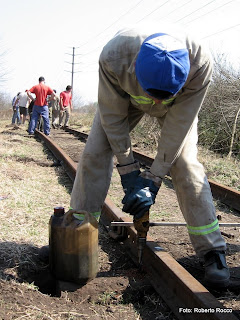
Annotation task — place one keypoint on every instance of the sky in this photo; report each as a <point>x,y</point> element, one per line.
<point>37,37</point>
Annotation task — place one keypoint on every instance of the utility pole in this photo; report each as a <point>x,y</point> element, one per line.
<point>73,64</point>
<point>72,68</point>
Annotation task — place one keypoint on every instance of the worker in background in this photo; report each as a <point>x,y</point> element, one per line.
<point>24,101</point>
<point>164,73</point>
<point>40,107</point>
<point>65,106</point>
<point>16,113</point>
<point>54,109</point>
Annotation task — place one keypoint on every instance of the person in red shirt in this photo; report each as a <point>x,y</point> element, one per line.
<point>40,107</point>
<point>65,105</point>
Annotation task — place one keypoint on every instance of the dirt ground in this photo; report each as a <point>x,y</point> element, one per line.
<point>175,240</point>
<point>120,290</point>
<point>27,288</point>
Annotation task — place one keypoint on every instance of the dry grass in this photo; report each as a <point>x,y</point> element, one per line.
<point>25,209</point>
<point>221,169</point>
<point>26,170</point>
<point>218,168</point>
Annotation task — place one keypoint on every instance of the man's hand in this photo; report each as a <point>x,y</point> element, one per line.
<point>129,174</point>
<point>142,196</point>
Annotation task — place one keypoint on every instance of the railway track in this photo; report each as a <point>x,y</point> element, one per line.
<point>225,194</point>
<point>180,290</point>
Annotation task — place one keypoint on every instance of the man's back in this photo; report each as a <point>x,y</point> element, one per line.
<point>41,91</point>
<point>23,99</point>
<point>66,97</point>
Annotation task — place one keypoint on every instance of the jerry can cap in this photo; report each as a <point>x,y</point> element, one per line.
<point>59,211</point>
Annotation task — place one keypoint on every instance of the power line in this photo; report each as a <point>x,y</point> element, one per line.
<point>135,22</point>
<point>213,34</point>
<point>102,32</point>
<point>210,11</point>
<point>93,50</point>
<point>112,23</point>
<point>177,8</point>
<point>153,11</point>
<point>195,10</point>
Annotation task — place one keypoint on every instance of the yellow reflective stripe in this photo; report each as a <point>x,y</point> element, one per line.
<point>80,216</point>
<point>146,100</point>
<point>198,230</point>
<point>96,214</point>
<point>204,227</point>
<point>168,101</point>
<point>142,99</point>
<point>204,232</point>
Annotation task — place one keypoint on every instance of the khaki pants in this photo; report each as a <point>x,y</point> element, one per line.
<point>194,195</point>
<point>55,117</point>
<point>65,112</point>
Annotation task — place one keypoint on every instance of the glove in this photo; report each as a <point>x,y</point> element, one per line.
<point>143,195</point>
<point>129,174</point>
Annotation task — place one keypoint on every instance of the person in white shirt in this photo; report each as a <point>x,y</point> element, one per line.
<point>23,106</point>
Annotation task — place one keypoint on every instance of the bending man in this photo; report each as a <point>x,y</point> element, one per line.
<point>166,75</point>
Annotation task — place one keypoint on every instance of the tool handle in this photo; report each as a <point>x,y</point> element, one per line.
<point>142,225</point>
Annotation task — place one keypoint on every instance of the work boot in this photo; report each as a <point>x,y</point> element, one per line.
<point>216,270</point>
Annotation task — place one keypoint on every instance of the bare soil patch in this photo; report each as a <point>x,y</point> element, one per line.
<point>175,240</point>
<point>32,184</point>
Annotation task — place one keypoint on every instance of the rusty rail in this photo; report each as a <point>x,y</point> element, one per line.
<point>225,194</point>
<point>180,290</point>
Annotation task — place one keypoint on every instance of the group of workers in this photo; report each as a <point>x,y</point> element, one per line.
<point>45,108</point>
<point>165,73</point>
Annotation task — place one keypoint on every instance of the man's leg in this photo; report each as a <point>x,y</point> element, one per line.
<point>50,115</point>
<point>24,115</point>
<point>14,117</point>
<point>21,114</point>
<point>195,200</point>
<point>67,113</point>
<point>45,116</point>
<point>61,116</point>
<point>55,118</point>
<point>18,116</point>
<point>34,119</point>
<point>94,171</point>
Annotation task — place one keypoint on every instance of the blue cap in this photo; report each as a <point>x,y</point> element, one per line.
<point>162,63</point>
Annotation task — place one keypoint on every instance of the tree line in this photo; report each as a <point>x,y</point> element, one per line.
<point>219,125</point>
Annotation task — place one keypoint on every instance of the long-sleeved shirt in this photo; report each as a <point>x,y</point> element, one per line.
<point>119,89</point>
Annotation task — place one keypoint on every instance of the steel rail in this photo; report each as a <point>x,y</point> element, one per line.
<point>225,194</point>
<point>180,290</point>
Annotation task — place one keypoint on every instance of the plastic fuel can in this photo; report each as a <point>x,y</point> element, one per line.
<point>73,246</point>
